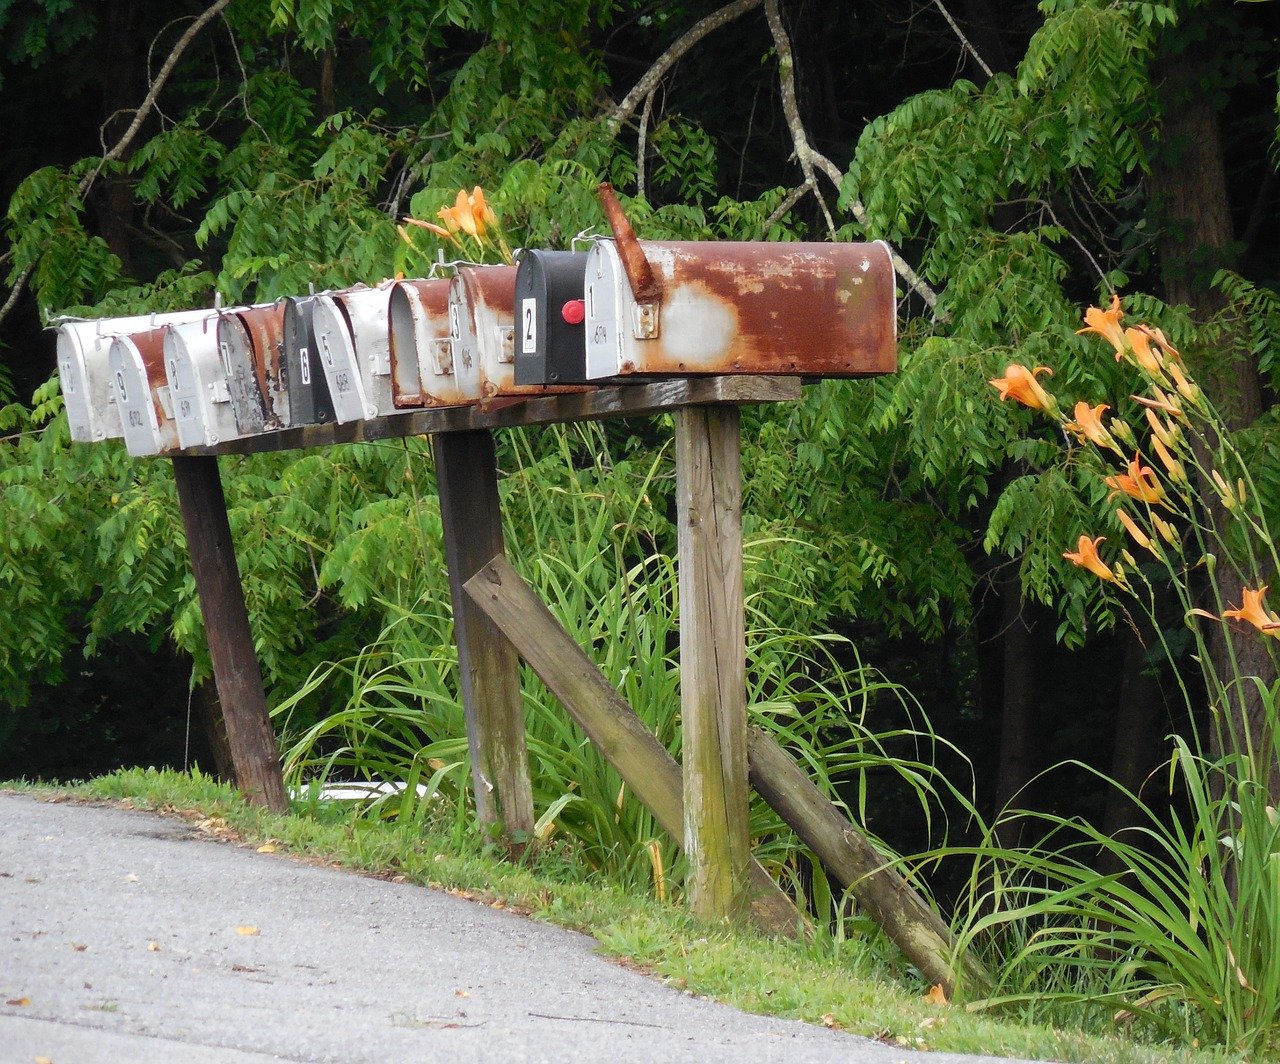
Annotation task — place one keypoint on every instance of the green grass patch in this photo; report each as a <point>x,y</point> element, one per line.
<point>846,983</point>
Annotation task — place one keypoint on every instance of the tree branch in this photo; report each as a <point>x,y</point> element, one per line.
<point>790,200</point>
<point>645,86</point>
<point>149,101</point>
<point>964,41</point>
<point>641,144</point>
<point>809,158</point>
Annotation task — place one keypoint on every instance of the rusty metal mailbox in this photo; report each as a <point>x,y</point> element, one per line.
<point>550,318</point>
<point>309,402</point>
<point>481,312</point>
<point>136,362</point>
<point>355,351</point>
<point>422,369</point>
<point>823,310</point>
<point>83,350</point>
<point>249,341</point>
<point>198,387</point>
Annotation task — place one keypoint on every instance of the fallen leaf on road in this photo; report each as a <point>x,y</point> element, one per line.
<point>131,878</point>
<point>461,993</point>
<point>829,1021</point>
<point>267,847</point>
<point>21,1002</point>
<point>246,930</point>
<point>44,1060</point>
<point>153,946</point>
<point>79,947</point>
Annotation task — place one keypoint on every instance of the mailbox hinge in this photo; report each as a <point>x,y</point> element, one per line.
<point>644,321</point>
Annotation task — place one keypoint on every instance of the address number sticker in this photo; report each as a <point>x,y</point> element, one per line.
<point>529,330</point>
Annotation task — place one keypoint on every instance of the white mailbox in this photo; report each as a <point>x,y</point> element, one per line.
<point>355,351</point>
<point>482,313</point>
<point>136,363</point>
<point>198,387</point>
<point>83,353</point>
<point>808,309</point>
<point>422,364</point>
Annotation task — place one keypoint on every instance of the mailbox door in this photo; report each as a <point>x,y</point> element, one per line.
<point>550,326</point>
<point>466,353</point>
<point>608,299</point>
<point>198,384</point>
<point>422,344</point>
<point>235,347</point>
<point>265,328</point>
<point>367,316</point>
<point>823,310</point>
<point>142,394</point>
<point>309,402</point>
<point>338,359</point>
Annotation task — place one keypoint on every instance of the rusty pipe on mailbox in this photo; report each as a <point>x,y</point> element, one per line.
<point>640,275</point>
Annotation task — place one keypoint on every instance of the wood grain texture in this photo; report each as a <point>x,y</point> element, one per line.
<point>610,723</point>
<point>850,857</point>
<point>226,623</point>
<point>467,478</point>
<point>713,686</point>
<point>629,400</point>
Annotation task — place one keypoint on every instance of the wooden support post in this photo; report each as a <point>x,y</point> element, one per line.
<point>467,478</point>
<point>226,624</point>
<point>609,722</point>
<point>849,856</point>
<point>713,688</point>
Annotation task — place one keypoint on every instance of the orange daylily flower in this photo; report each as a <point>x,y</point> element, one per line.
<point>1106,323</point>
<point>1020,383</point>
<point>1088,424</point>
<point>481,210</point>
<point>464,215</point>
<point>1086,556</point>
<point>1255,613</point>
<point>1139,483</point>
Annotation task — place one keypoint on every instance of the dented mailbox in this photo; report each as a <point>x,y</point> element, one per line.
<point>355,351</point>
<point>550,318</point>
<point>308,390</point>
<point>136,362</point>
<point>823,310</point>
<point>422,370</point>
<point>83,349</point>
<point>250,342</point>
<point>198,388</point>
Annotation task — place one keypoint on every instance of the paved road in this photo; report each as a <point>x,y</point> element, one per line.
<point>121,928</point>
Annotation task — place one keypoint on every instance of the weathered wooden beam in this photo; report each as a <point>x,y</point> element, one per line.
<point>226,623</point>
<point>467,479</point>
<point>713,684</point>
<point>629,400</point>
<point>609,722</point>
<point>851,858</point>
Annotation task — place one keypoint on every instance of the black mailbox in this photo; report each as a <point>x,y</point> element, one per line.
<point>309,402</point>
<point>550,331</point>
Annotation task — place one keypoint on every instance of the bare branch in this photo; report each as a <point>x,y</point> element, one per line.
<point>809,158</point>
<point>149,101</point>
<point>780,211</point>
<point>645,86</point>
<point>964,41</point>
<point>18,285</point>
<point>641,145</point>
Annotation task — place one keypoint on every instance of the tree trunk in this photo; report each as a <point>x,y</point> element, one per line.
<point>1022,728</point>
<point>1189,190</point>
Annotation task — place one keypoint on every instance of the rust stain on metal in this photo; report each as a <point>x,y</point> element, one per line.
<point>804,308</point>
<point>644,284</point>
<point>265,326</point>
<point>150,345</point>
<point>418,313</point>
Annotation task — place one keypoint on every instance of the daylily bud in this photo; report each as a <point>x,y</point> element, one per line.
<point>1187,389</point>
<point>1166,432</point>
<point>1174,468</point>
<point>1121,431</point>
<point>1129,557</point>
<point>1241,490</point>
<point>1225,493</point>
<point>1130,526</point>
<point>1167,532</point>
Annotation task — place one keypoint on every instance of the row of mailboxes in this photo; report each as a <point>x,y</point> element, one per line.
<point>558,321</point>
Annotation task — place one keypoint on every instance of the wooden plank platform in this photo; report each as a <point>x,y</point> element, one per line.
<point>624,400</point>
